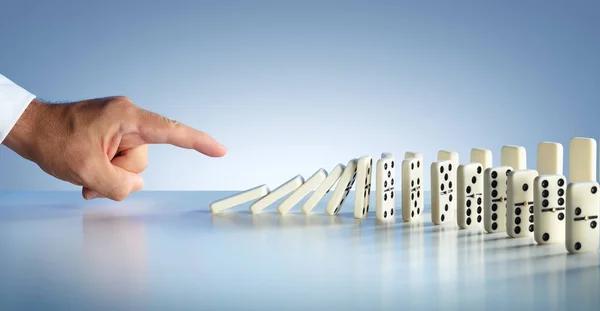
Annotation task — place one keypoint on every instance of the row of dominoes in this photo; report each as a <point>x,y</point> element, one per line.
<point>501,199</point>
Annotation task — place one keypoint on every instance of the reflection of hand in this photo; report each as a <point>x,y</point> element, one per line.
<point>100,144</point>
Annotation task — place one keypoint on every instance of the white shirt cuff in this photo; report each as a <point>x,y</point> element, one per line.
<point>13,101</point>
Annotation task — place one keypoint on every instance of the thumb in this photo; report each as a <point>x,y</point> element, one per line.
<point>112,182</point>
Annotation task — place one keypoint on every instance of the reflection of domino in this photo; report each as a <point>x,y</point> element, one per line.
<point>277,194</point>
<point>323,188</point>
<point>239,198</point>
<point>310,184</point>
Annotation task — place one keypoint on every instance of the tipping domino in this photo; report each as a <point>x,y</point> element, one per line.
<point>494,198</point>
<point>341,191</point>
<point>582,217</point>
<point>550,158</point>
<point>582,159</point>
<point>514,156</point>
<point>549,208</point>
<point>239,198</point>
<point>482,156</point>
<point>283,190</point>
<point>362,192</point>
<point>386,155</point>
<point>323,188</point>
<point>469,194</point>
<point>412,154</point>
<point>412,188</point>
<point>519,206</point>
<point>309,185</point>
<point>443,183</point>
<point>385,198</point>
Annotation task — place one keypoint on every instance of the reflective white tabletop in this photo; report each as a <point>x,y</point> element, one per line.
<point>166,251</point>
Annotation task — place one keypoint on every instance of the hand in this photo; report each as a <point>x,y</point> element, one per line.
<point>100,144</point>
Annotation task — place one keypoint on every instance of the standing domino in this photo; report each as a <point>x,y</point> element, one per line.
<point>550,158</point>
<point>310,184</point>
<point>549,209</point>
<point>385,190</point>
<point>443,202</point>
<point>519,208</point>
<point>342,189</point>
<point>277,194</point>
<point>582,159</point>
<point>412,183</point>
<point>444,155</point>
<point>483,156</point>
<point>323,189</point>
<point>494,198</point>
<point>469,208</point>
<point>514,156</point>
<point>362,193</point>
<point>412,154</point>
<point>582,217</point>
<point>239,198</point>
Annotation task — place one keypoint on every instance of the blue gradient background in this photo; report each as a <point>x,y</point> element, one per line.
<point>290,87</point>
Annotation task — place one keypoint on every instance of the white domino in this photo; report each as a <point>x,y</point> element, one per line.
<point>482,156</point>
<point>385,196</point>
<point>283,190</point>
<point>519,206</point>
<point>309,185</point>
<point>444,155</point>
<point>514,156</point>
<point>362,192</point>
<point>239,198</point>
<point>412,154</point>
<point>386,155</point>
<point>412,188</point>
<point>469,209</point>
<point>550,158</point>
<point>341,191</point>
<point>323,188</point>
<point>581,234</point>
<point>443,194</point>
<point>549,208</point>
<point>582,159</point>
<point>494,198</point>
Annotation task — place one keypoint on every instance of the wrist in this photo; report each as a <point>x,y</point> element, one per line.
<point>20,138</point>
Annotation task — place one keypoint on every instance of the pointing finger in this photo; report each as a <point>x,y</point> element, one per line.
<point>156,129</point>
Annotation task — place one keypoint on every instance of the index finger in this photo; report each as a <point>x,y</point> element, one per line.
<point>156,129</point>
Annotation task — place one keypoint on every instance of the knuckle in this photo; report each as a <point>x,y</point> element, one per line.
<point>119,194</point>
<point>121,105</point>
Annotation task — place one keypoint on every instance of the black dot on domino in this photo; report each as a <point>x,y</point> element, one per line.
<point>593,224</point>
<point>479,218</point>
<point>442,187</point>
<point>518,211</point>
<point>392,211</point>
<point>530,218</point>
<point>561,216</point>
<point>412,214</point>
<point>468,212</point>
<point>392,164</point>
<point>478,209</point>
<point>494,207</point>
<point>561,192</point>
<point>494,226</point>
<point>469,203</point>
<point>468,189</point>
<point>525,187</point>
<point>479,201</point>
<point>545,183</point>
<point>468,221</point>
<point>577,246</point>
<point>450,184</point>
<point>385,166</point>
<point>446,207</point>
<point>494,193</point>
<point>479,170</point>
<point>474,179</point>
<point>518,220</point>
<point>494,216</point>
<point>594,190</point>
<point>494,175</point>
<point>442,218</point>
<point>415,203</point>
<point>561,201</point>
<point>531,228</point>
<point>545,193</point>
<point>577,211</point>
<point>392,194</point>
<point>441,170</point>
<point>364,210</point>
<point>384,214</point>
<point>545,203</point>
<point>531,209</point>
<point>561,182</point>
<point>450,197</point>
<point>446,177</point>
<point>418,211</point>
<point>546,237</point>
<point>412,166</point>
<point>517,230</point>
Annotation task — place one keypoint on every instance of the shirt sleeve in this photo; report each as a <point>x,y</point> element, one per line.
<point>13,101</point>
